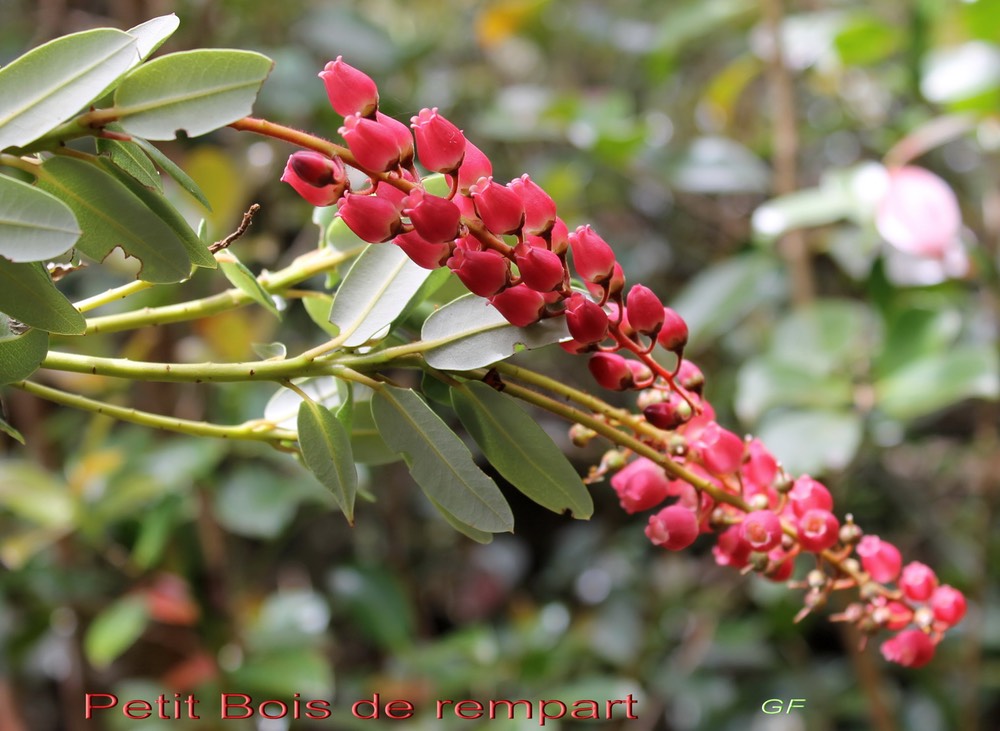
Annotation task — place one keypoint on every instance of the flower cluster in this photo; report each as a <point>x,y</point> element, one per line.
<point>506,243</point>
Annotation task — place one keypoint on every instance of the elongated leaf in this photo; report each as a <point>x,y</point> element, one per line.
<point>129,157</point>
<point>479,536</point>
<point>368,445</point>
<point>111,215</point>
<point>28,294</point>
<point>196,249</point>
<point>170,168</point>
<point>520,449</point>
<point>115,629</point>
<point>283,407</point>
<point>34,225</point>
<point>150,35</point>
<point>191,93</point>
<point>374,293</point>
<point>326,449</point>
<point>438,460</point>
<point>49,84</point>
<point>470,333</point>
<point>11,431</point>
<point>20,355</point>
<point>244,280</point>
<point>318,308</point>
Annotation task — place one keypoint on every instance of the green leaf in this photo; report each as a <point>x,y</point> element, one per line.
<point>244,280</point>
<point>34,225</point>
<point>520,449</point>
<point>939,380</point>
<point>374,293</point>
<point>28,294</point>
<point>479,536</point>
<point>111,215</point>
<point>282,408</point>
<point>150,35</point>
<point>170,168</point>
<point>826,336</point>
<point>767,381</point>
<point>157,203</point>
<point>20,355</point>
<point>326,449</point>
<point>49,84</point>
<point>318,308</point>
<point>190,93</point>
<point>368,445</point>
<point>812,442</point>
<point>438,460</point>
<point>282,673</point>
<point>129,157</point>
<point>114,630</point>
<point>717,298</point>
<point>11,431</point>
<point>376,604</point>
<point>470,333</point>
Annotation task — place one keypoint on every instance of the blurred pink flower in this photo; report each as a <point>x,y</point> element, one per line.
<point>919,213</point>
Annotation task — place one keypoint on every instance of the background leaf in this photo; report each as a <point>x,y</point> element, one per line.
<point>28,294</point>
<point>244,280</point>
<point>115,629</point>
<point>192,92</point>
<point>49,84</point>
<point>470,333</point>
<point>520,449</point>
<point>34,225</point>
<point>439,462</point>
<point>326,450</point>
<point>374,293</point>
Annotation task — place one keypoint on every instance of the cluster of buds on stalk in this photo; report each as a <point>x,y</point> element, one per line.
<point>506,243</point>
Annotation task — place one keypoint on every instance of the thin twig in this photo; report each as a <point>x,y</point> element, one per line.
<point>231,238</point>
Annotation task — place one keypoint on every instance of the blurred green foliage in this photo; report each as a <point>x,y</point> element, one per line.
<point>140,564</point>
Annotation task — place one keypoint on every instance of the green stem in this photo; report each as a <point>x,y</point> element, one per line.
<point>259,431</point>
<point>112,295</point>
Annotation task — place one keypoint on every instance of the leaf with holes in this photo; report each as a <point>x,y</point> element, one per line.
<point>28,294</point>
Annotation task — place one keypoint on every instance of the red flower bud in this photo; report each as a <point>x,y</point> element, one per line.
<point>402,136</point>
<point>319,179</point>
<point>350,91</point>
<point>482,272</point>
<point>721,451</point>
<point>730,548</point>
<point>440,143</point>
<point>559,237</point>
<point>645,311</point>
<point>436,219</point>
<point>668,414</point>
<point>808,494</point>
<point>673,336</point>
<point>539,208</point>
<point>372,218</point>
<point>498,206</point>
<point>593,258</point>
<point>879,558</point>
<point>373,145</point>
<point>818,530</point>
<point>690,377</point>
<point>640,485</point>
<point>948,604</point>
<point>423,253</point>
<point>520,305</point>
<point>611,371</point>
<point>910,648</point>
<point>475,165</point>
<point>762,530</point>
<point>540,269</point>
<point>586,321</point>
<point>675,527</point>
<point>918,581</point>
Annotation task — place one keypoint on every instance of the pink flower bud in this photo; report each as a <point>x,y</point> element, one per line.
<point>731,549</point>
<point>593,258</point>
<point>440,143</point>
<point>559,237</point>
<point>894,615</point>
<point>641,373</point>
<point>611,371</point>
<point>919,213</point>
<point>808,494</point>
<point>640,485</point>
<point>520,305</point>
<point>319,179</point>
<point>540,269</point>
<point>350,91</point>
<point>373,145</point>
<point>389,192</point>
<point>371,218</point>
<point>690,377</point>
<point>720,450</point>
<point>436,219</point>
<point>475,165</point>
<point>645,311</point>
<point>918,581</point>
<point>539,208</point>
<point>402,136</point>
<point>586,321</point>
<point>818,530</point>
<point>673,528</point>
<point>668,414</point>
<point>423,253</point>
<point>780,565</point>
<point>762,530</point>
<point>760,468</point>
<point>574,347</point>
<point>948,605</point>
<point>910,648</point>
<point>879,558</point>
<point>484,273</point>
<point>498,206</point>
<point>673,336</point>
